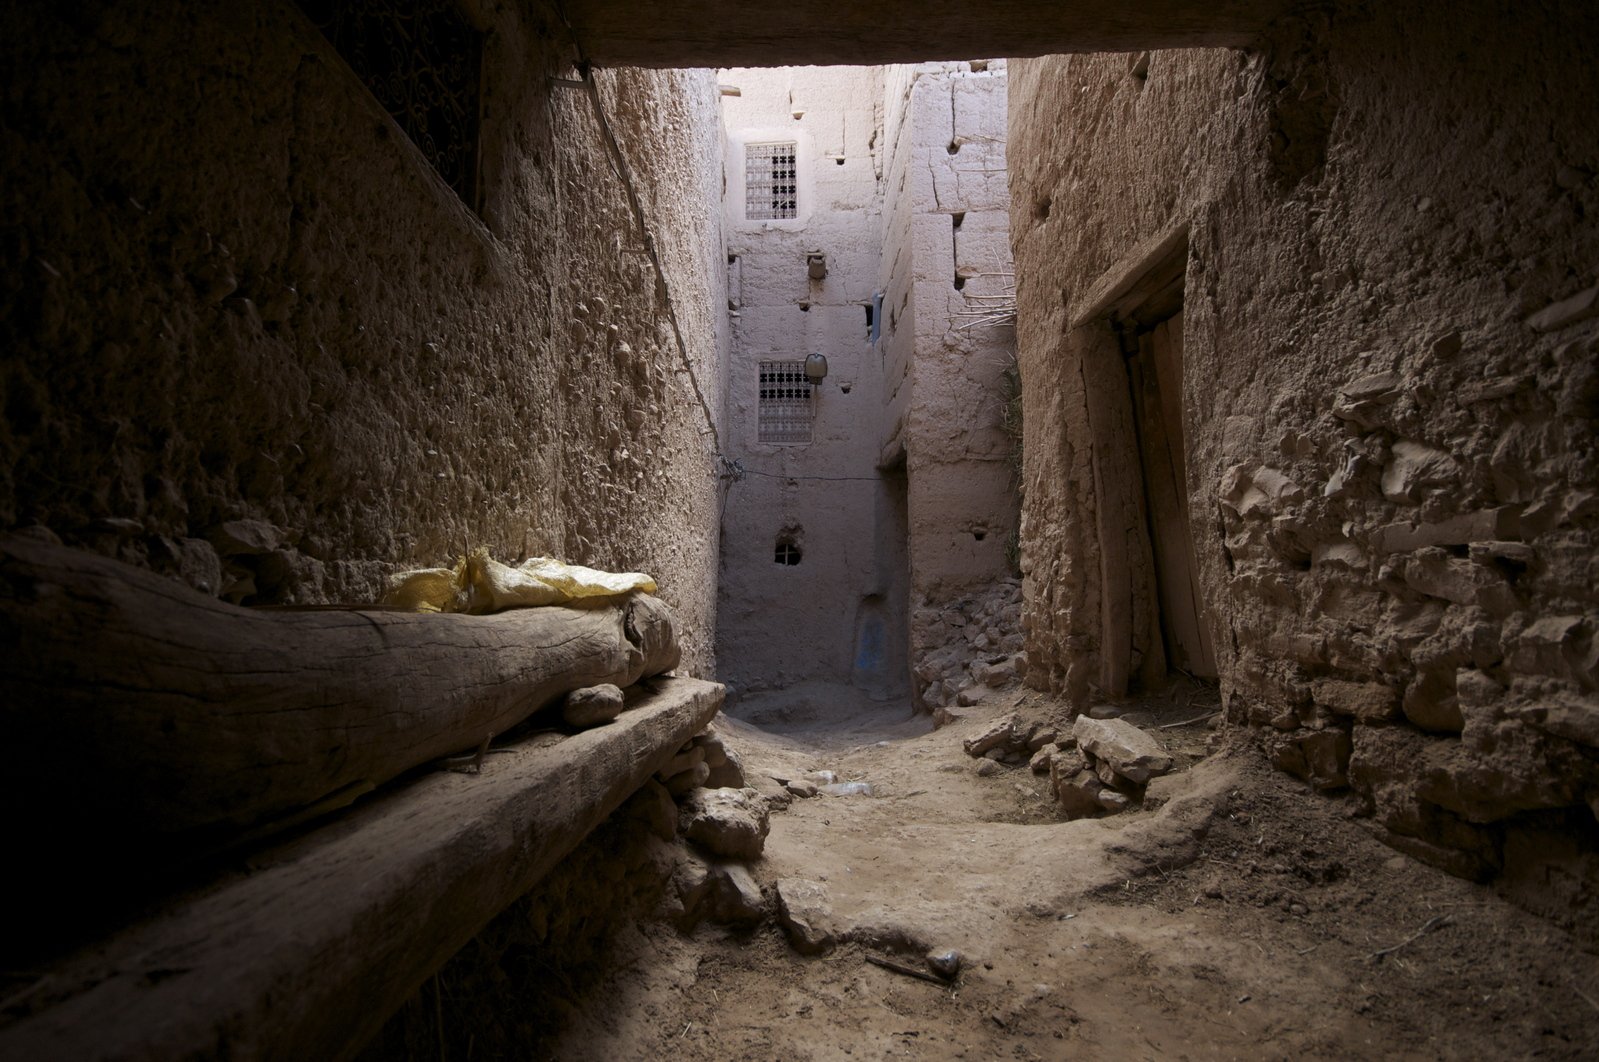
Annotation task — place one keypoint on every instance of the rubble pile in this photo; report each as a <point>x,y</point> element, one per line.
<point>1010,742</point>
<point>1102,766</point>
<point>968,646</point>
<point>726,822</point>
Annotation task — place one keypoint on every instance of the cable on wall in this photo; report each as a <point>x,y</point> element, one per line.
<point>663,289</point>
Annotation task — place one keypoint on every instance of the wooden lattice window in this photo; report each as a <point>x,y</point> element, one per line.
<point>771,181</point>
<point>785,414</point>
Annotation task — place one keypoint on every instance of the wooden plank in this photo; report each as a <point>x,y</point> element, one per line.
<point>307,954</point>
<point>1172,383</point>
<point>732,33</point>
<point>149,709</point>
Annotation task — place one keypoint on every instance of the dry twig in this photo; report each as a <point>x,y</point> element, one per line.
<point>1187,722</point>
<point>908,971</point>
<point>1432,923</point>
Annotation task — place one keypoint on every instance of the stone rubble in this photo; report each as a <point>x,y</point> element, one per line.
<point>1010,741</point>
<point>967,647</point>
<point>1102,766</point>
<point>804,913</point>
<point>732,823</point>
<point>592,706</point>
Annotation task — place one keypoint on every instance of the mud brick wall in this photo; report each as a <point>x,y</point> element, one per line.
<point>252,339</point>
<point>1388,401</point>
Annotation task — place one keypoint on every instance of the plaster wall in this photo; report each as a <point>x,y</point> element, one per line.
<point>833,616</point>
<point>946,262</point>
<point>236,299</point>
<point>1386,222</point>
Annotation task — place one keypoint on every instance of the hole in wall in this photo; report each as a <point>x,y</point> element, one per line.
<point>844,387</point>
<point>787,552</point>
<point>805,307</point>
<point>978,66</point>
<point>960,282</point>
<point>957,217</point>
<point>1138,67</point>
<point>954,147</point>
<point>978,534</point>
<point>1041,208</point>
<point>839,161</point>
<point>871,319</point>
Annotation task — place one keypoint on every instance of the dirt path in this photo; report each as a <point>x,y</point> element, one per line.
<point>1240,920</point>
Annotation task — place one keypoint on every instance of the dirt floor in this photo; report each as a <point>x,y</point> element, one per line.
<point>1245,918</point>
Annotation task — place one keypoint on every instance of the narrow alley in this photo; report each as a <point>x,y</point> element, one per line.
<point>591,529</point>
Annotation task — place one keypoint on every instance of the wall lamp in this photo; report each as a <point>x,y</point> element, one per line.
<point>816,369</point>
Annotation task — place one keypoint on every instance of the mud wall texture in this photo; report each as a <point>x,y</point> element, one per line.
<point>813,546</point>
<point>947,349</point>
<point>252,339</point>
<point>1383,229</point>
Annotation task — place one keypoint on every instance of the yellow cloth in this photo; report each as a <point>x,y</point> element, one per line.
<point>479,584</point>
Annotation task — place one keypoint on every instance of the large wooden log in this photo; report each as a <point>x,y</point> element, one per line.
<point>132,706</point>
<point>307,955</point>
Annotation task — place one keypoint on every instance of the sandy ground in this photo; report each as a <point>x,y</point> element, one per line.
<point>1245,918</point>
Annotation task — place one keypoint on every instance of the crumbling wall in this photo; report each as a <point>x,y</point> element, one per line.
<point>1385,218</point>
<point>251,338</point>
<point>948,347</point>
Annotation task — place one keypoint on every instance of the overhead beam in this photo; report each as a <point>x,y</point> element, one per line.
<point>719,33</point>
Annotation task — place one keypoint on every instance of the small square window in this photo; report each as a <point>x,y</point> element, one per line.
<point>785,414</point>
<point>771,181</point>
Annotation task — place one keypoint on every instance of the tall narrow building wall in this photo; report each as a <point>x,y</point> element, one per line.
<point>252,337</point>
<point>812,541</point>
<point>948,360</point>
<point>1374,243</point>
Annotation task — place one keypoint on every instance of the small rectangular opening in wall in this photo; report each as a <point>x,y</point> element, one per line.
<point>771,181</point>
<point>423,62</point>
<point>785,413</point>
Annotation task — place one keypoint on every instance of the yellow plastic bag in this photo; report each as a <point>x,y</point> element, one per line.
<point>479,584</point>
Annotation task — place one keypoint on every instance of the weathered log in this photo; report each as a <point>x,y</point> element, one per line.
<point>132,705</point>
<point>307,955</point>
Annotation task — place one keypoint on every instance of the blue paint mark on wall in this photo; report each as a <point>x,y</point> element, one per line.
<point>871,647</point>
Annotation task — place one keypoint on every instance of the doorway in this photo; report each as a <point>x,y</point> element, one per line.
<point>1152,343</point>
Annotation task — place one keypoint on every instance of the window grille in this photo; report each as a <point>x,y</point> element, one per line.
<point>771,182</point>
<point>785,413</point>
<point>422,60</point>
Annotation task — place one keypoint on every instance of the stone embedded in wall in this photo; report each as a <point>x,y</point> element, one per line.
<point>1413,468</point>
<point>1365,402</point>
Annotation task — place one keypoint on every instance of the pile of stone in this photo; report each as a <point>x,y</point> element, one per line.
<point>968,646</point>
<point>704,761</point>
<point>1102,766</point>
<point>1009,742</point>
<point>726,823</point>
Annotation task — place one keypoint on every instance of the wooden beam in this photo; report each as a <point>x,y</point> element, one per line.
<point>132,706</point>
<point>311,951</point>
<point>717,33</point>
